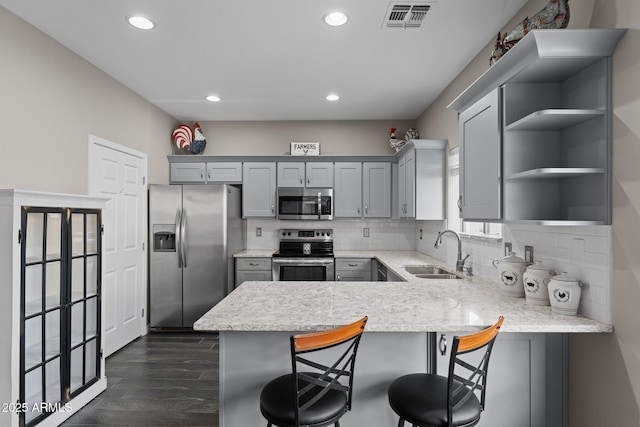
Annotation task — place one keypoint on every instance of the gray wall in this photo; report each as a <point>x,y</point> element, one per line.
<point>605,369</point>
<point>51,100</point>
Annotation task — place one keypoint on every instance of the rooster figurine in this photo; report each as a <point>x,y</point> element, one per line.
<point>394,142</point>
<point>199,141</point>
<point>554,15</point>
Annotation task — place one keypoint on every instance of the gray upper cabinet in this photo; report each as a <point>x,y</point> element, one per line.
<point>291,174</point>
<point>376,189</point>
<point>348,190</point>
<point>554,118</point>
<point>203,172</point>
<point>259,189</point>
<point>480,159</point>
<point>227,172</point>
<point>187,173</point>
<point>305,174</point>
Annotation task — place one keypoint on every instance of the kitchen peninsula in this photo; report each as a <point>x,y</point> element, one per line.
<point>527,385</point>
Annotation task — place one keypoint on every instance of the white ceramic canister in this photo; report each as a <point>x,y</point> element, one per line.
<point>564,294</point>
<point>510,275</point>
<point>536,280</point>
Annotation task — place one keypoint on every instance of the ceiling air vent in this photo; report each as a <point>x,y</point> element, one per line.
<point>406,15</point>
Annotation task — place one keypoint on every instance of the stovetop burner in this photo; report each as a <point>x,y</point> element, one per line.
<point>305,243</point>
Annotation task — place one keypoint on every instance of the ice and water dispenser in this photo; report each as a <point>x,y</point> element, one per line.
<point>164,237</point>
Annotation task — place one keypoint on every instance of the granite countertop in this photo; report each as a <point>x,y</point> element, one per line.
<point>254,253</point>
<point>417,305</point>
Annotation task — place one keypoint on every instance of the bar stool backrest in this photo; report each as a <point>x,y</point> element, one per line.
<point>467,378</point>
<point>336,375</point>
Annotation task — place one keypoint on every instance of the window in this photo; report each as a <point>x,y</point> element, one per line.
<point>480,229</point>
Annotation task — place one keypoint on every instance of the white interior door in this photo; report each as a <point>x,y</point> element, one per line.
<point>119,174</point>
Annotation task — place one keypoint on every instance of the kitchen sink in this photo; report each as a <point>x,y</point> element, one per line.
<point>437,276</point>
<point>430,272</point>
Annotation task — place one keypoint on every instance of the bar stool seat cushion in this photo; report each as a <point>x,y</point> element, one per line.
<point>277,403</point>
<point>421,399</point>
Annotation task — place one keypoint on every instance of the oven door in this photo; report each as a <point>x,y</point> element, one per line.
<point>299,269</point>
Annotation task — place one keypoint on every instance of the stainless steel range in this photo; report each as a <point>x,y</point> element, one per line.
<point>304,254</point>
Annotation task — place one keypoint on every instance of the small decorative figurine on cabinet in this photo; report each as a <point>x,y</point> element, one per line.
<point>394,142</point>
<point>554,15</point>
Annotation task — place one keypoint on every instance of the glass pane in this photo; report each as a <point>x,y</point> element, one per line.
<point>92,233</point>
<point>33,289</point>
<point>33,391</point>
<point>77,279</point>
<point>92,275</point>
<point>52,284</point>
<point>90,368</point>
<point>77,323</point>
<point>35,230</point>
<point>54,235</point>
<point>52,333</point>
<point>32,341</point>
<point>76,368</point>
<point>92,317</point>
<point>53,389</point>
<point>77,234</point>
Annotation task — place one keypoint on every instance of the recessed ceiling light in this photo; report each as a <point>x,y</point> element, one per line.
<point>141,22</point>
<point>335,19</point>
<point>213,98</point>
<point>332,97</point>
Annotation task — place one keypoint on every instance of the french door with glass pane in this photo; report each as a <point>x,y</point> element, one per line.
<point>60,312</point>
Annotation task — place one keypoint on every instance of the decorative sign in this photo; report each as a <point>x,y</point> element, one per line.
<point>305,148</point>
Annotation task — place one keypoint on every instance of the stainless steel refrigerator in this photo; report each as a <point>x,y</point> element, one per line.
<point>193,231</point>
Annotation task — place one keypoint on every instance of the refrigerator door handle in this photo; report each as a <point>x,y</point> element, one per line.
<point>179,237</point>
<point>183,237</point>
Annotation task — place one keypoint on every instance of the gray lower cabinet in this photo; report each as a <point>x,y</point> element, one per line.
<point>259,189</point>
<point>480,159</point>
<point>527,381</point>
<point>376,189</point>
<point>253,269</point>
<point>353,269</point>
<point>347,196</point>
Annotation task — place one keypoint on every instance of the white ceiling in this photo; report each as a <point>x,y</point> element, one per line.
<point>274,59</point>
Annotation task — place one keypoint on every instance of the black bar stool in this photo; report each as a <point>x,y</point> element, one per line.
<point>430,400</point>
<point>317,398</point>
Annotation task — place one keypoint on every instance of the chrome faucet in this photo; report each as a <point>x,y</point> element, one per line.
<point>460,261</point>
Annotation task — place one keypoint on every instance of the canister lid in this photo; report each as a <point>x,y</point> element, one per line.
<point>538,266</point>
<point>513,258</point>
<point>564,277</point>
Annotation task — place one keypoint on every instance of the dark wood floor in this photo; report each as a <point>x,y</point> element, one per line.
<point>162,379</point>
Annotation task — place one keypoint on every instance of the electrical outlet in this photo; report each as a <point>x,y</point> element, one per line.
<point>258,231</point>
<point>528,254</point>
<point>507,248</point>
<point>365,232</point>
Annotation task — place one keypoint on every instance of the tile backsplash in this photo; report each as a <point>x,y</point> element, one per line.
<point>348,234</point>
<point>583,252</point>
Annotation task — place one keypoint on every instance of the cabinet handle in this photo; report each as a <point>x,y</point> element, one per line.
<point>300,179</point>
<point>443,344</point>
<point>254,264</point>
<point>272,209</point>
<point>366,209</point>
<point>338,278</point>
<point>201,174</point>
<point>352,265</point>
<point>460,203</point>
<point>208,174</point>
<point>358,208</point>
<point>309,179</point>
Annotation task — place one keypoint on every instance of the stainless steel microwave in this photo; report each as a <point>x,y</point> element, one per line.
<point>305,203</point>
